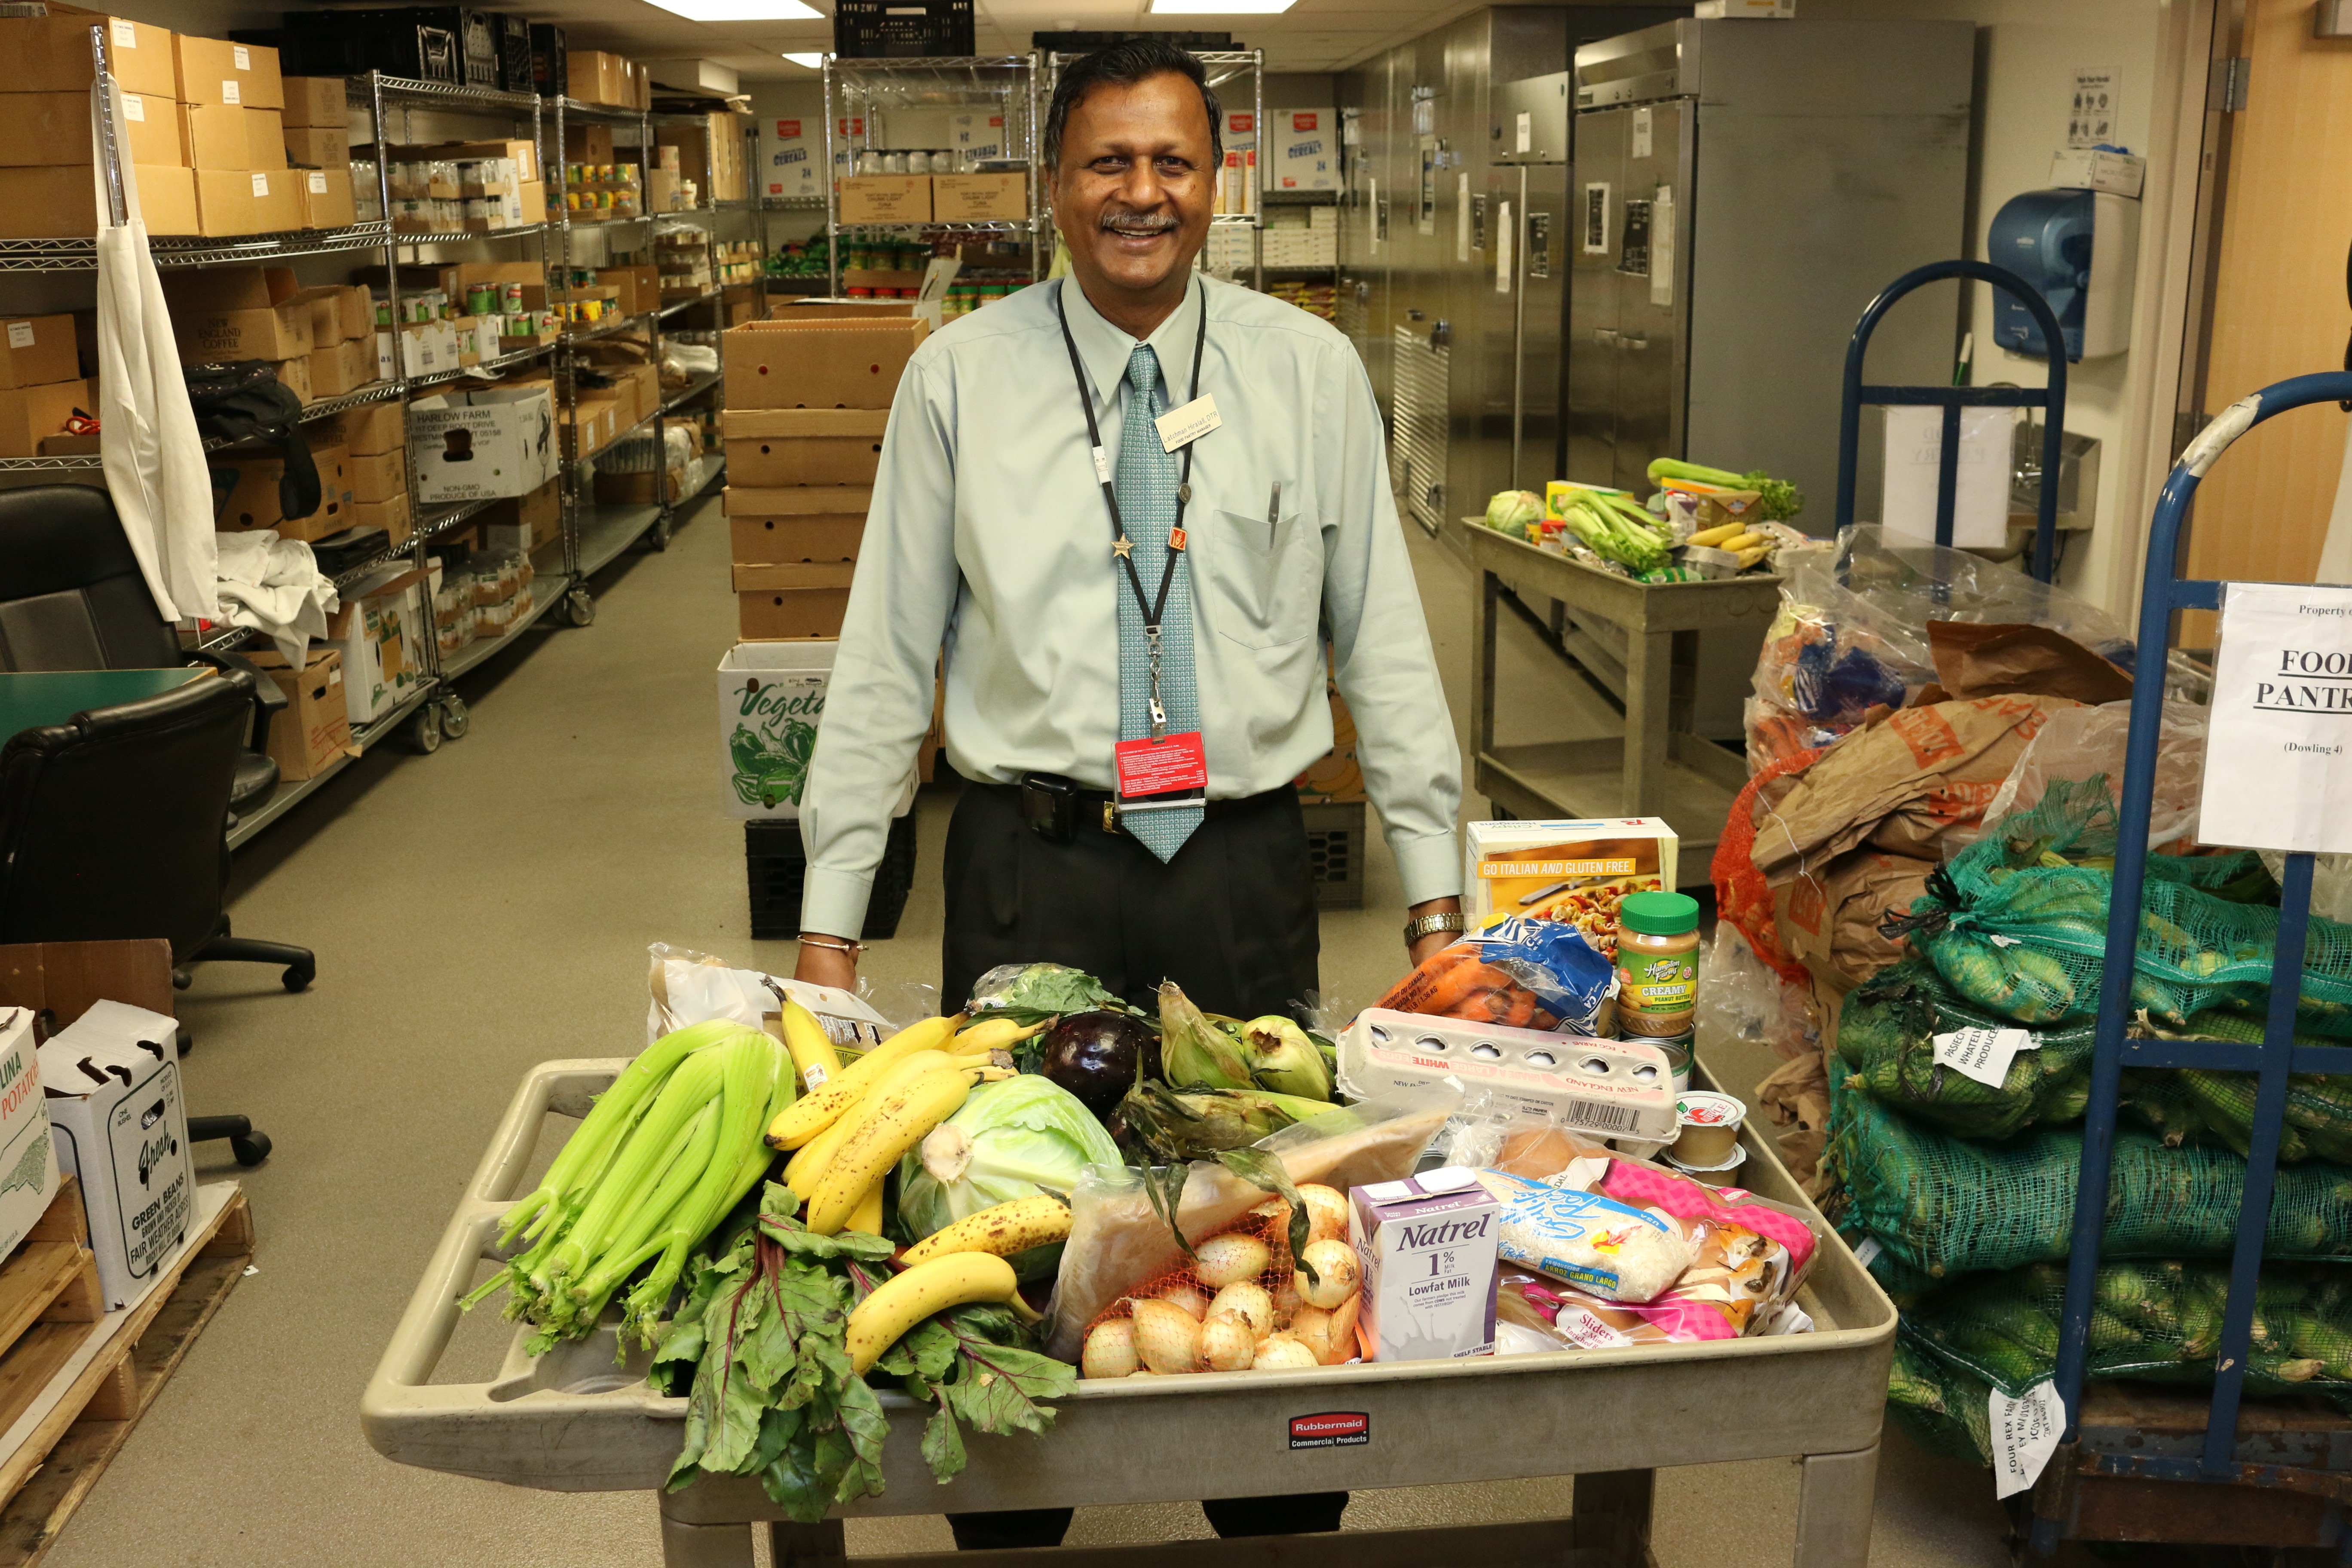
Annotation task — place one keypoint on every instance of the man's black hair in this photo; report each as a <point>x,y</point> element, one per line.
<point>1127,65</point>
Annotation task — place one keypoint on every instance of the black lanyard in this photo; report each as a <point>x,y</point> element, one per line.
<point>1152,609</point>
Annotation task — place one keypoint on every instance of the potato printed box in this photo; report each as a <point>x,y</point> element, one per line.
<point>1427,1247</point>
<point>113,1082</point>
<point>28,1156</point>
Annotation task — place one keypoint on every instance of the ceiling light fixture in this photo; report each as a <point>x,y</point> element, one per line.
<point>742,10</point>
<point>811,62</point>
<point>1219,7</point>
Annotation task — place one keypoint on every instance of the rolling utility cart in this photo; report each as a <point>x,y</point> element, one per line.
<point>2148,1465</point>
<point>573,1420</point>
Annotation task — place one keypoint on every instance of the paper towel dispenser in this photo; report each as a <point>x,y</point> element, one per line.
<point>2081,248</point>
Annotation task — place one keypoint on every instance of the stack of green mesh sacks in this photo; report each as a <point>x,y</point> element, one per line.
<point>1968,1190</point>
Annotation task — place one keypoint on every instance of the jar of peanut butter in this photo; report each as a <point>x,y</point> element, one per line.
<point>1658,974</point>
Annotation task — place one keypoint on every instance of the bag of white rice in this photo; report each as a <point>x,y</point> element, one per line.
<point>1601,1246</point>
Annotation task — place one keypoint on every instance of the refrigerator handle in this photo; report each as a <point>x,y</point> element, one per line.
<point>1519,326</point>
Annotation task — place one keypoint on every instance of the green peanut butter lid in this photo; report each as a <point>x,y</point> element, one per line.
<point>1658,914</point>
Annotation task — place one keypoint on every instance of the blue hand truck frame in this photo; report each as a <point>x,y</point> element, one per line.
<point>2051,399</point>
<point>2164,591</point>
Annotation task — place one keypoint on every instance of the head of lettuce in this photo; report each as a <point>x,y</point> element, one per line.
<point>1013,1139</point>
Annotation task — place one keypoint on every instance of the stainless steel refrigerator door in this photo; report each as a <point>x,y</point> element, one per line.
<point>1590,243</point>
<point>1652,273</point>
<point>1543,284</point>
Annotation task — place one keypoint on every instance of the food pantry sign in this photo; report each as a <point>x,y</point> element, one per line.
<point>2278,755</point>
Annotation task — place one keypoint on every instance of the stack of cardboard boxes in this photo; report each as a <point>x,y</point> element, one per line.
<point>320,340</point>
<point>807,397</point>
<point>41,386</point>
<point>373,438</point>
<point>315,725</point>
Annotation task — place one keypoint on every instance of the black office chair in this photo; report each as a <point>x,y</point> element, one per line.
<point>111,827</point>
<point>72,597</point>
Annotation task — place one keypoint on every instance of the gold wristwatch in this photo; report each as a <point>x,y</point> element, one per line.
<point>1430,925</point>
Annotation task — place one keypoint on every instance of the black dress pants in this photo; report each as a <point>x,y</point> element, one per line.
<point>1231,919</point>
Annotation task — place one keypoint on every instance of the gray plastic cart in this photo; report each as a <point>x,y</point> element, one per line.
<point>574,1421</point>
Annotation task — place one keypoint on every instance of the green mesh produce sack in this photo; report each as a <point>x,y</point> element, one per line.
<point>1886,1041</point>
<point>2156,1320</point>
<point>2017,922</point>
<point>1941,1407</point>
<point>1947,1207</point>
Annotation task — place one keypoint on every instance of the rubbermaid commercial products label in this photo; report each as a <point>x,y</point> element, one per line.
<point>1331,1429</point>
<point>2278,757</point>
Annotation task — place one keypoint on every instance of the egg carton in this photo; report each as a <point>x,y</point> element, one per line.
<point>1620,1090</point>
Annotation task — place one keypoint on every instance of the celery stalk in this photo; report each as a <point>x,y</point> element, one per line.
<point>689,1088</point>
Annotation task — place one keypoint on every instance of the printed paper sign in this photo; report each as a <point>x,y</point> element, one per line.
<point>1596,220</point>
<point>229,91</point>
<point>20,334</point>
<point>2091,118</point>
<point>126,37</point>
<point>261,184</point>
<point>1662,247</point>
<point>1983,1055</point>
<point>134,108</point>
<point>2024,1434</point>
<point>2278,761</point>
<point>1644,133</point>
<point>1189,423</point>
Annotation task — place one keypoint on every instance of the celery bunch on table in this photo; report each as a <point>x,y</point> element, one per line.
<point>1615,526</point>
<point>658,1162</point>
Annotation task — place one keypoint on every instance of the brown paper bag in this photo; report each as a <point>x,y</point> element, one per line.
<point>1976,660</point>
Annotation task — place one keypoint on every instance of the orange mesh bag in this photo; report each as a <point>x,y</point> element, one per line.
<point>1741,894</point>
<point>1239,1302</point>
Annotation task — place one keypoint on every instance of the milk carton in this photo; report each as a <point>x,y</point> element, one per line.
<point>112,1080</point>
<point>1427,1247</point>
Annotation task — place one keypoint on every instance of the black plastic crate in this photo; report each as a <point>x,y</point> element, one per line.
<point>1087,43</point>
<point>901,30</point>
<point>348,43</point>
<point>514,52</point>
<point>477,35</point>
<point>549,76</point>
<point>1334,853</point>
<point>776,867</point>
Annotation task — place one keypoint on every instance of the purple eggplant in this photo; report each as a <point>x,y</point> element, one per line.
<point>1099,1057</point>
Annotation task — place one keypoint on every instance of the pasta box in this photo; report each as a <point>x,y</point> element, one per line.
<point>1574,871</point>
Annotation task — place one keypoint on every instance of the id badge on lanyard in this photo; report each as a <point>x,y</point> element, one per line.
<point>1160,763</point>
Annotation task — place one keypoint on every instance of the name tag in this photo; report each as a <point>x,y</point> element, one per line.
<point>1195,419</point>
<point>1163,766</point>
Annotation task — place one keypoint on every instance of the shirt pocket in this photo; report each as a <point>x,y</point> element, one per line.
<point>1261,587</point>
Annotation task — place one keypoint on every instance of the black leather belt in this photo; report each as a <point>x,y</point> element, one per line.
<point>1057,808</point>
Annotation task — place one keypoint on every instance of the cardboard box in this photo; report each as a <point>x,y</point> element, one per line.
<point>794,615</point>
<point>54,127</point>
<point>601,78</point>
<point>337,311</point>
<point>27,414</point>
<point>392,515</point>
<point>1571,870</point>
<point>316,100</point>
<point>771,700</point>
<point>223,136</point>
<point>294,374</point>
<point>758,540</point>
<point>111,1082</point>
<point>1303,152</point>
<point>38,350</point>
<point>341,367</point>
<point>479,445</point>
<point>373,428</point>
<point>319,146</point>
<point>978,198</point>
<point>278,330</point>
<point>590,142</point>
<point>379,475</point>
<point>637,488</point>
<point>326,199</point>
<point>886,198</point>
<point>58,201</point>
<point>257,202</point>
<point>51,54</point>
<point>820,363</point>
<point>213,70</point>
<point>799,501</point>
<point>315,726</point>
<point>639,287</point>
<point>372,632</point>
<point>28,1151</point>
<point>768,577</point>
<point>1427,1248</point>
<point>246,493</point>
<point>781,446</point>
<point>527,523</point>
<point>524,155</point>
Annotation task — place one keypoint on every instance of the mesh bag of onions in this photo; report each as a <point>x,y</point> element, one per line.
<point>1241,1304</point>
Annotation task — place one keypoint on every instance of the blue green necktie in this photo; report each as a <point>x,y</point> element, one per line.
<point>1146,486</point>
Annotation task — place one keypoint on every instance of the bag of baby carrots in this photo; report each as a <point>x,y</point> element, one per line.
<point>1528,974</point>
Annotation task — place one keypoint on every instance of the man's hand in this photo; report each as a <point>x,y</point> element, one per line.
<point>826,965</point>
<point>1422,948</point>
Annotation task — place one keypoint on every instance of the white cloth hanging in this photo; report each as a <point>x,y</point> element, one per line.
<point>2335,551</point>
<point>147,440</point>
<point>274,586</point>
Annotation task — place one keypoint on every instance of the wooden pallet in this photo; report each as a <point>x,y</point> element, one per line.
<point>78,1427</point>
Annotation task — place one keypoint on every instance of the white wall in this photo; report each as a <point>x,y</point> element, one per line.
<point>2027,54</point>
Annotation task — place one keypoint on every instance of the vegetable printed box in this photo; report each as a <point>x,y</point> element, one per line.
<point>770,695</point>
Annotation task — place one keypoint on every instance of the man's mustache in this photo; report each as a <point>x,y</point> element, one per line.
<point>1138,220</point>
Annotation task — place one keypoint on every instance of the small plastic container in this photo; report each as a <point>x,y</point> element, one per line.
<point>1709,1129</point>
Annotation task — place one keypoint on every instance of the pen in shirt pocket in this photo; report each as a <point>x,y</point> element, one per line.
<point>1273,514</point>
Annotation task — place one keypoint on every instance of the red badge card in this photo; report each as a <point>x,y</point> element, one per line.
<point>1163,766</point>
